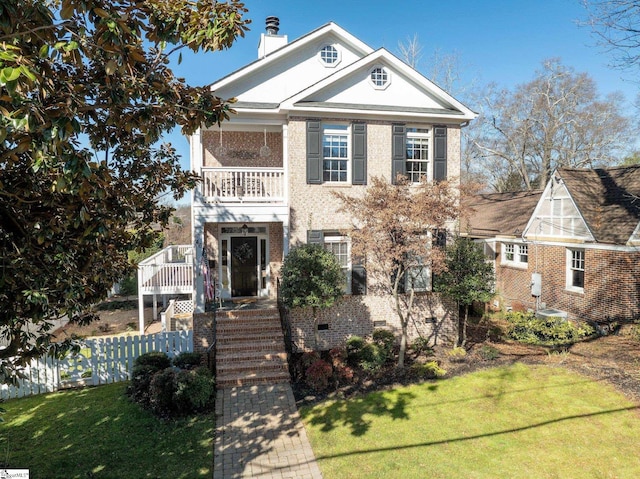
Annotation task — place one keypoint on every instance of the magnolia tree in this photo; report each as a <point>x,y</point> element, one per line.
<point>311,278</point>
<point>467,278</point>
<point>393,229</point>
<point>86,94</point>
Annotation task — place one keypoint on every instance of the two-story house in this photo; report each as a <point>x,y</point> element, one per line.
<point>322,113</point>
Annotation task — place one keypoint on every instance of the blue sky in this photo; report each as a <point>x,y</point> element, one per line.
<point>501,41</point>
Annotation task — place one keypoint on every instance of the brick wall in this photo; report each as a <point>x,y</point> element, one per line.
<point>611,283</point>
<point>358,315</point>
<point>202,332</point>
<point>242,149</point>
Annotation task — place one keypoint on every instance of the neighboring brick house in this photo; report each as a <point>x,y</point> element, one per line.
<point>580,235</point>
<point>323,113</point>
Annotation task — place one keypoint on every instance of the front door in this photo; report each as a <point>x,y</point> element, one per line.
<point>244,266</point>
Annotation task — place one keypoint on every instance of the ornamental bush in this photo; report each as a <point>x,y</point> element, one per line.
<point>194,389</point>
<point>187,360</point>
<point>161,391</point>
<point>552,331</point>
<point>318,374</point>
<point>145,367</point>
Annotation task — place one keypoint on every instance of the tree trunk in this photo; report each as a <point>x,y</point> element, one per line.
<point>463,331</point>
<point>316,334</point>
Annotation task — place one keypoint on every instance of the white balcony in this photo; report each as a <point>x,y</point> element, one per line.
<point>243,185</point>
<point>169,271</point>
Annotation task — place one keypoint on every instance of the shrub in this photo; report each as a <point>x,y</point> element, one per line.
<point>457,354</point>
<point>144,368</point>
<point>489,353</point>
<point>430,370</point>
<point>341,371</point>
<point>187,360</point>
<point>372,357</point>
<point>421,346</point>
<point>634,332</point>
<point>161,392</point>
<point>318,374</point>
<point>354,348</point>
<point>156,359</point>
<point>385,339</point>
<point>194,389</point>
<point>553,331</point>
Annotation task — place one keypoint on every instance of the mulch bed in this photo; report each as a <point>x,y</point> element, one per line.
<point>614,359</point>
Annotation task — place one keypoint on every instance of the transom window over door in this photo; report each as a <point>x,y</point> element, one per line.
<point>335,153</point>
<point>417,153</point>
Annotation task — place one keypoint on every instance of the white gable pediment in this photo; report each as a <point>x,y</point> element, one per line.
<point>406,91</point>
<point>292,68</point>
<point>556,216</point>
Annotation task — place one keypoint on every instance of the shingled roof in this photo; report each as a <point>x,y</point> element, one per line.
<point>499,214</point>
<point>608,199</point>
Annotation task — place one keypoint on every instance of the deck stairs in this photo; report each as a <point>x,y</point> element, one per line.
<point>250,348</point>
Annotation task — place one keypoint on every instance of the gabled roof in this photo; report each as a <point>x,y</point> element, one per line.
<point>293,80</point>
<point>608,199</point>
<point>499,214</point>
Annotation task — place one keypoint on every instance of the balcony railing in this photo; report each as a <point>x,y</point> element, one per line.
<point>243,185</point>
<point>168,271</point>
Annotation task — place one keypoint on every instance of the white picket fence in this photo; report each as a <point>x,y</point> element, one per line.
<point>100,361</point>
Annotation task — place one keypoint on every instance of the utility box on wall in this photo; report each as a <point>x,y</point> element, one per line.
<point>536,284</point>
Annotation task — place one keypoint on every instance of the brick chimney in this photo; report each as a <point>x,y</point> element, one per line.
<point>271,41</point>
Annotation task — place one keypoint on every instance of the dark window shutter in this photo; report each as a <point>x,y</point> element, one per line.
<point>314,152</point>
<point>358,277</point>
<point>440,153</point>
<point>315,237</point>
<point>359,154</point>
<point>399,153</point>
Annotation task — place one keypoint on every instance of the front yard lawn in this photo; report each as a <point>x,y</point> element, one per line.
<point>514,421</point>
<point>97,432</point>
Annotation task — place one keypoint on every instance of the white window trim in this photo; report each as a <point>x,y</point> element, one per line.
<point>517,254</point>
<point>329,238</point>
<point>374,85</point>
<point>324,63</point>
<point>348,158</point>
<point>569,270</point>
<point>427,135</point>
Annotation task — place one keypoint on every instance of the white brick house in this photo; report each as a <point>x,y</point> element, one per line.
<point>322,113</point>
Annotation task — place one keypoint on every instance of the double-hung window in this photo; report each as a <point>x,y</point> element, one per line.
<point>575,270</point>
<point>515,255</point>
<point>417,151</point>
<point>335,153</point>
<point>339,246</point>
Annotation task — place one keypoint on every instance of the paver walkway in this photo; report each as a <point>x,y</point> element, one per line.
<point>259,434</point>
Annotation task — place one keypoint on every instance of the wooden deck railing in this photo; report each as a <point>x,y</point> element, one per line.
<point>243,185</point>
<point>168,271</point>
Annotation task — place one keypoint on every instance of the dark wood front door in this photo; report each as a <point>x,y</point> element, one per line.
<point>244,266</point>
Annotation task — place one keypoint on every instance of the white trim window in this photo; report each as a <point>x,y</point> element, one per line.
<point>340,246</point>
<point>379,77</point>
<point>329,56</point>
<point>335,153</point>
<point>418,153</point>
<point>575,270</point>
<point>515,254</point>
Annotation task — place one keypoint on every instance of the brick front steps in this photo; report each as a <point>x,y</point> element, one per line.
<point>250,348</point>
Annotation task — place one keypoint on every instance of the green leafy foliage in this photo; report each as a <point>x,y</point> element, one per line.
<point>488,353</point>
<point>187,360</point>
<point>311,277</point>
<point>145,367</point>
<point>428,370</point>
<point>194,390</point>
<point>467,277</point>
<point>371,356</point>
<point>85,95</point>
<point>552,331</point>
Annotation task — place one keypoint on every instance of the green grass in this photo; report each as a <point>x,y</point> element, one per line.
<point>98,433</point>
<point>509,422</point>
